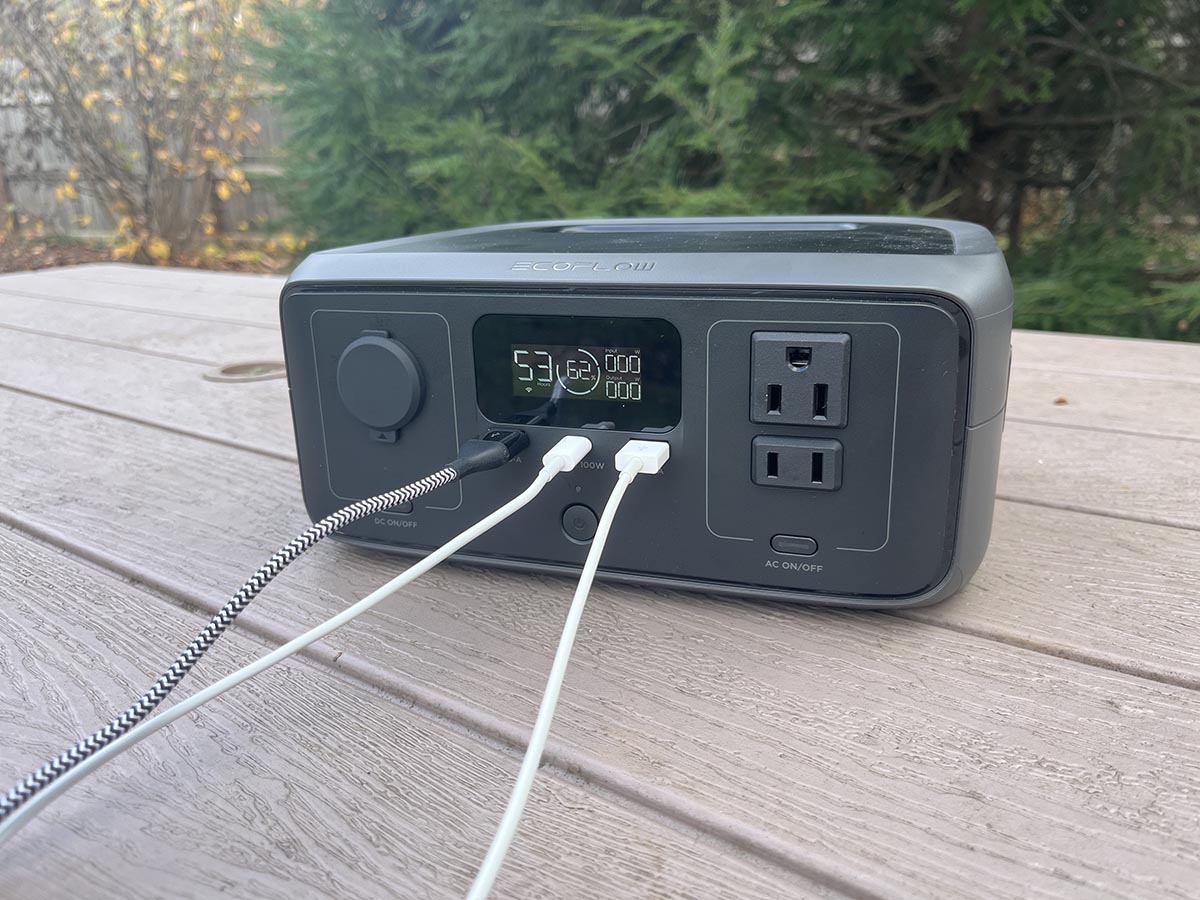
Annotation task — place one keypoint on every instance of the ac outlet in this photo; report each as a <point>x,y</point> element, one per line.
<point>814,464</point>
<point>799,378</point>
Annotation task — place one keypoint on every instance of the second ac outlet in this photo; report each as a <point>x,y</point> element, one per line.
<point>810,463</point>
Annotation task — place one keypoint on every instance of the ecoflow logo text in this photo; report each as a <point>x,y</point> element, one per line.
<point>548,266</point>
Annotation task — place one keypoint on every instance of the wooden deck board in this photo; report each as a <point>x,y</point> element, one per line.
<point>1087,401</point>
<point>254,298</point>
<point>1106,357</point>
<point>1093,399</point>
<point>195,280</point>
<point>804,694</point>
<point>168,392</point>
<point>346,794</point>
<point>250,310</point>
<point>1061,581</point>
<point>1072,468</point>
<point>1149,477</point>
<point>210,343</point>
<point>1142,477</point>
<point>1110,592</point>
<point>990,732</point>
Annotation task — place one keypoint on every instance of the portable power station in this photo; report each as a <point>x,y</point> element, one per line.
<point>832,388</point>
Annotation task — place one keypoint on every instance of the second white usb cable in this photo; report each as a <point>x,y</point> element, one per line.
<point>635,458</point>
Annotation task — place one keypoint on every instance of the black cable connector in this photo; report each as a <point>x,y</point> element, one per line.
<point>490,450</point>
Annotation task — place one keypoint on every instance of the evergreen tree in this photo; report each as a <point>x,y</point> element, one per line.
<point>1056,123</point>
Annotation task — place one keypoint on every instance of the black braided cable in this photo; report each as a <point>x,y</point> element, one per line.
<point>69,759</point>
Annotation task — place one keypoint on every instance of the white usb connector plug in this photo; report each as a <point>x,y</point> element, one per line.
<point>643,457</point>
<point>570,451</point>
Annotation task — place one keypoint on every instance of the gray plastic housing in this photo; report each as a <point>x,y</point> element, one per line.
<point>928,307</point>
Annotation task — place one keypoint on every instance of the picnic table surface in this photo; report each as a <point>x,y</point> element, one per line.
<point>1038,735</point>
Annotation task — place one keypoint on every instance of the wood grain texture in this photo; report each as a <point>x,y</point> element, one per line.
<point>1146,478</point>
<point>297,784</point>
<point>256,297</point>
<point>208,343</point>
<point>918,756</point>
<point>921,759</point>
<point>1089,587</point>
<point>197,280</point>
<point>1113,593</point>
<point>1150,478</point>
<point>1129,405</point>
<point>1030,463</point>
<point>1092,400</point>
<point>169,392</point>
<point>1106,382</point>
<point>221,306</point>
<point>174,290</point>
<point>1107,357</point>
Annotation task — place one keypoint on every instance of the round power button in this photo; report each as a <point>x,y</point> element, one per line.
<point>579,523</point>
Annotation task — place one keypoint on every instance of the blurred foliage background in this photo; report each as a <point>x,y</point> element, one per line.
<point>146,100</point>
<point>1070,128</point>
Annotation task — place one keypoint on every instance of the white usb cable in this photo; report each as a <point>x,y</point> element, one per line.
<point>635,458</point>
<point>563,457</point>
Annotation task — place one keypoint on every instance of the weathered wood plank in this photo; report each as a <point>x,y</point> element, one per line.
<point>852,737</point>
<point>207,343</point>
<point>1072,468</point>
<point>1041,465</point>
<point>269,419</point>
<point>1107,382</point>
<point>1113,593</point>
<point>299,784</point>
<point>169,289</point>
<point>175,289</point>
<point>1145,478</point>
<point>1102,355</point>
<point>168,392</point>
<point>1158,407</point>
<point>1107,357</point>
<point>1144,387</point>
<point>1057,580</point>
<point>198,280</point>
<point>215,305</point>
<point>1036,393</point>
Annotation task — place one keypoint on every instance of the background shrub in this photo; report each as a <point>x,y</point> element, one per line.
<point>1068,127</point>
<point>147,98</point>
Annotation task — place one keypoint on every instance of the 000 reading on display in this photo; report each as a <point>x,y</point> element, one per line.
<point>558,370</point>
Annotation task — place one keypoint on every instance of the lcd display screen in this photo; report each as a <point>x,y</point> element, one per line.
<point>575,371</point>
<point>597,373</point>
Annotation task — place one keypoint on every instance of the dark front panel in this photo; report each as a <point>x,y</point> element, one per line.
<point>828,465</point>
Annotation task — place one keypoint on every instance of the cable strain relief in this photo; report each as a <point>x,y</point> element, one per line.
<point>490,450</point>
